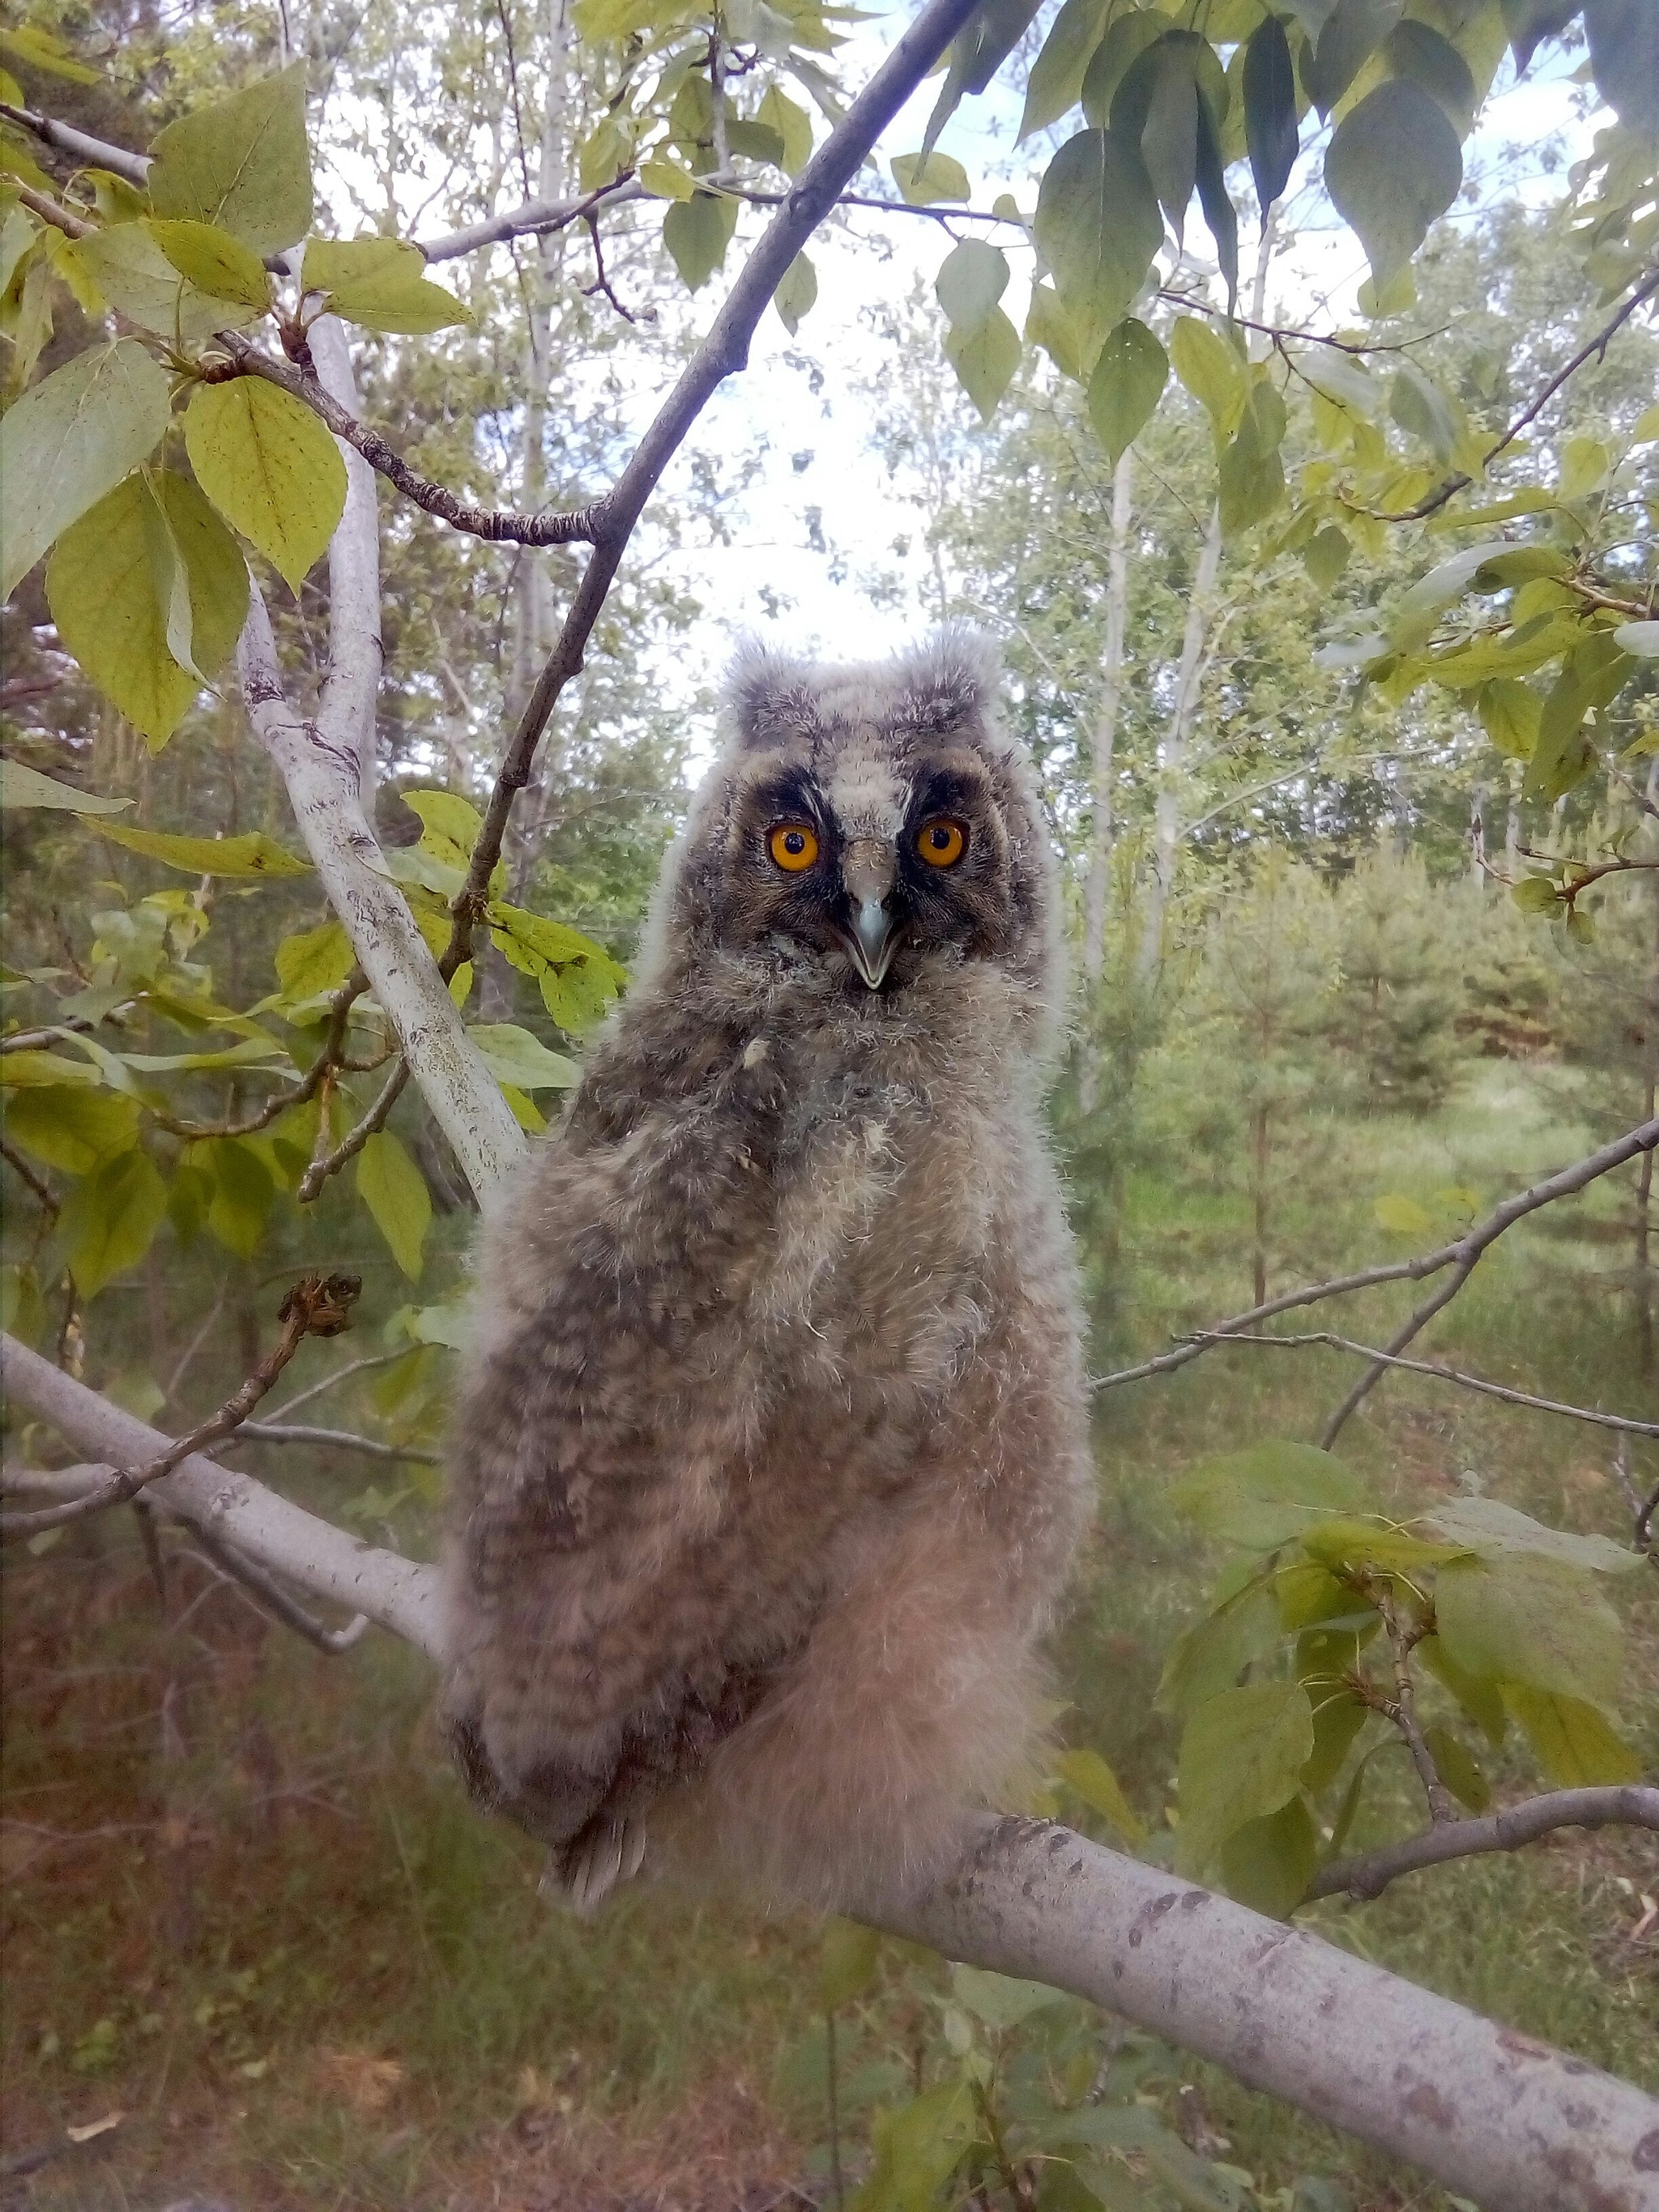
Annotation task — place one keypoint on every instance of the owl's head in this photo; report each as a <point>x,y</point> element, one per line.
<point>874,822</point>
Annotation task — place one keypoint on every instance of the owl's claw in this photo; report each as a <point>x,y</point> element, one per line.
<point>592,1868</point>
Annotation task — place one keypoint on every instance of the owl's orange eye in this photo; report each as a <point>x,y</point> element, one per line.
<point>792,846</point>
<point>941,843</point>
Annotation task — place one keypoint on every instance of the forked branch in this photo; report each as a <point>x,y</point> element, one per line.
<point>1367,1875</point>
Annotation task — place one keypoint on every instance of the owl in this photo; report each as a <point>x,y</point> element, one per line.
<point>772,1454</point>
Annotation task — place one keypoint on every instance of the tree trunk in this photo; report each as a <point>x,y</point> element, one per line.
<point>1105,733</point>
<point>1172,753</point>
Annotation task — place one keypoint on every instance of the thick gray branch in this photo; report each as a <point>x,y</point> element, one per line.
<point>398,1593</point>
<point>98,152</point>
<point>1485,2111</point>
<point>322,779</point>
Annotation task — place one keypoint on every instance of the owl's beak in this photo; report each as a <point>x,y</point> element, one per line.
<point>871,939</point>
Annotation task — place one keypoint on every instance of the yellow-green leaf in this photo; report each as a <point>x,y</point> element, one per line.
<point>1530,1619</point>
<point>1126,385</point>
<point>929,179</point>
<point>380,284</point>
<point>314,960</point>
<point>1098,226</point>
<point>1242,1756</point>
<point>43,1070</point>
<point>514,1055</point>
<point>696,233</point>
<point>214,261</point>
<point>270,467</point>
<point>1268,1864</point>
<point>394,1190</point>
<point>111,580</point>
<point>126,265</point>
<point>71,1126</point>
<point>797,293</point>
<point>1088,1775</point>
<point>848,1956</point>
<point>36,48</point>
<point>253,853</point>
<point>20,786</point>
<point>108,1221</point>
<point>1577,1746</point>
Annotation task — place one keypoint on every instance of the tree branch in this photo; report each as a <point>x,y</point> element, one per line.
<point>397,1594</point>
<point>322,779</point>
<point>38,1184</point>
<point>499,525</point>
<point>1461,1253</point>
<point>326,1163</point>
<point>1621,1422</point>
<point>1369,1873</point>
<point>98,152</point>
<point>316,1305</point>
<point>285,1432</point>
<point>723,352</point>
<point>1413,1326</point>
<point>1401,1709</point>
<point>1478,2106</point>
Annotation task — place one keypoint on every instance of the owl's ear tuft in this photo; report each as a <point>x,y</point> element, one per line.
<point>949,679</point>
<point>768,699</point>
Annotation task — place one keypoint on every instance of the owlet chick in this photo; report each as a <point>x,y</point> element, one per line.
<point>772,1455</point>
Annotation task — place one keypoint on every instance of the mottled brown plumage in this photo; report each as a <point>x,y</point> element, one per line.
<point>772,1457</point>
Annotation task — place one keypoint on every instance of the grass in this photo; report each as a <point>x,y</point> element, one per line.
<point>246,1907</point>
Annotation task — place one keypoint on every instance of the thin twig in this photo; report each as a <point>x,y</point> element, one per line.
<point>340,1374</point>
<point>1367,1876</point>
<point>282,1432</point>
<point>328,1163</point>
<point>1619,1421</point>
<point>37,1183</point>
<point>1467,1248</point>
<point>1597,348</point>
<point>1401,1709</point>
<point>233,1567</point>
<point>48,211</point>
<point>1413,1326</point>
<point>315,1305</point>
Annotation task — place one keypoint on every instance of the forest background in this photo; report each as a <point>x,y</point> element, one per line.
<point>1320,1019</point>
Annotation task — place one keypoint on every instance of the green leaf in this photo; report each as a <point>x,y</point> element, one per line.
<point>1155,108</point>
<point>530,940</point>
<point>1252,475</point>
<point>216,262</point>
<point>1359,1544</point>
<point>1401,1216</point>
<point>1263,1497</point>
<point>270,467</point>
<point>792,125</point>
<point>1213,372</point>
<point>1641,638</point>
<point>244,1192</point>
<point>380,284</point>
<point>1056,80</point>
<point>984,360</point>
<point>514,1055</point>
<point>43,1070</point>
<point>1325,556</point>
<point>1127,39</point>
<point>979,48</point>
<point>999,2000</point>
<point>1350,34</point>
<point>1624,46</point>
<point>70,1126</point>
<point>108,1221</point>
<point>1509,712</point>
<point>111,582</point>
<point>1242,1756</point>
<point>1392,165</point>
<point>1210,1656</point>
<point>917,2148</point>
<point>1268,1864</point>
<point>1087,1775</point>
<point>69,441</point>
<point>27,787</point>
<point>450,826</point>
<point>972,278</point>
<point>929,179</point>
<point>1048,326</point>
<point>1573,1741</point>
<point>1097,226</point>
<point>37,49</point>
<point>1527,1617</point>
<point>1564,752</point>
<point>666,180</point>
<point>1459,1769</point>
<point>797,292</point>
<point>1126,385</point>
<point>848,1957</point>
<point>1528,21</point>
<point>1338,1717</point>
<point>1419,51</point>
<point>1270,117</point>
<point>241,163</point>
<point>394,1190</point>
<point>314,960</point>
<point>696,233</point>
<point>253,853</point>
<point>1497,1531</point>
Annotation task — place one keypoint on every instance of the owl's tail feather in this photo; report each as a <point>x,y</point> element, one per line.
<point>606,1853</point>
